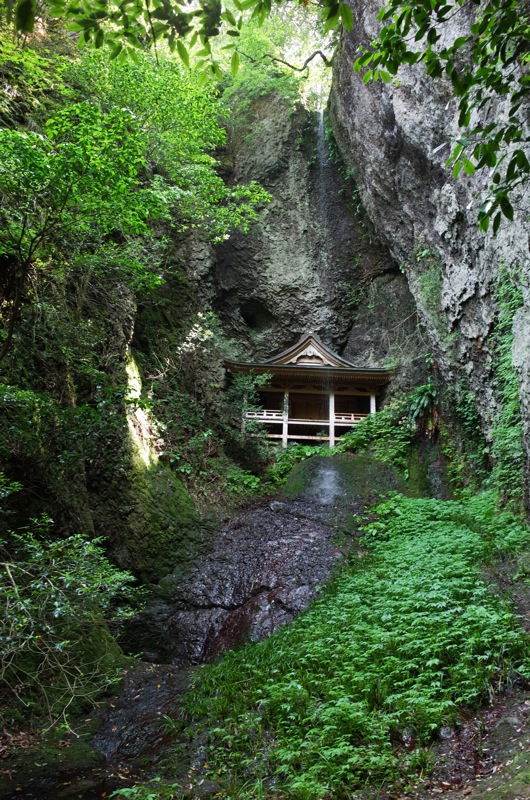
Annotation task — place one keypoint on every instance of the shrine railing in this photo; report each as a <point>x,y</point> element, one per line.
<point>268,415</point>
<point>273,416</point>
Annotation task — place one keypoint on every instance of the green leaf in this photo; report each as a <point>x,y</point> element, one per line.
<point>229,17</point>
<point>496,222</point>
<point>483,222</point>
<point>204,77</point>
<point>234,64</point>
<point>183,53</point>
<point>346,16</point>
<point>116,50</point>
<point>216,70</point>
<point>469,167</point>
<point>25,15</point>
<point>506,208</point>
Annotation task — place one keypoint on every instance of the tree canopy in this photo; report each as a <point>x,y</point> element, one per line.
<point>123,158</point>
<point>486,61</point>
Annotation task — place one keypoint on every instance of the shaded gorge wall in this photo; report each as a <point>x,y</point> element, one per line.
<point>395,139</point>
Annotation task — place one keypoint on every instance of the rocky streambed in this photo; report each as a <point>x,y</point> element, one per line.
<point>263,568</point>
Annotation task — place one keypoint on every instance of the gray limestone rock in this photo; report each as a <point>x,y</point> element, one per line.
<point>312,256</point>
<point>261,571</point>
<point>396,137</point>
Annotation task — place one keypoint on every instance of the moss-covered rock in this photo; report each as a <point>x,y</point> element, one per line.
<point>361,478</point>
<point>427,472</point>
<point>149,519</point>
<point>47,764</point>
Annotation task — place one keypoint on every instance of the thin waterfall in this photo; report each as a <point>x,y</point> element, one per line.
<point>320,188</point>
<point>327,483</point>
<point>322,163</point>
<point>322,200</point>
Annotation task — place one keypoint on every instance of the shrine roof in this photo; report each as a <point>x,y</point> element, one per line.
<point>312,358</point>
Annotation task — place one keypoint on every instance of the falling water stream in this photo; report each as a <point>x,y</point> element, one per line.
<point>321,195</point>
<point>328,484</point>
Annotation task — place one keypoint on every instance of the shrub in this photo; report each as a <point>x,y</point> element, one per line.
<point>286,458</point>
<point>390,431</point>
<point>57,598</point>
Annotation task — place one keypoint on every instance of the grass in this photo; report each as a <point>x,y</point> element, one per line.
<point>406,635</point>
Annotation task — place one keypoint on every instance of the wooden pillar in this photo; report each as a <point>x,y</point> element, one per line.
<point>245,409</point>
<point>331,418</point>
<point>373,407</point>
<point>285,427</point>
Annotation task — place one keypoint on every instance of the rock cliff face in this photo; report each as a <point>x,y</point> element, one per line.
<point>391,135</point>
<point>311,260</point>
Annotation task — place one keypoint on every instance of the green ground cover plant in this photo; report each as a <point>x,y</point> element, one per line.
<point>404,636</point>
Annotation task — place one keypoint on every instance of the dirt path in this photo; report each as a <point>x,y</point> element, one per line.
<point>487,757</point>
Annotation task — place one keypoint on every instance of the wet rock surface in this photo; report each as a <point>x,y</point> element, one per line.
<point>262,570</point>
<point>132,736</point>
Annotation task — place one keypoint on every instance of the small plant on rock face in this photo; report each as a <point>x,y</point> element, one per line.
<point>422,407</point>
<point>507,435</point>
<point>425,270</point>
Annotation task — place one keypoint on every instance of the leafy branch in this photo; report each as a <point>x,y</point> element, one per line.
<point>128,25</point>
<point>55,598</point>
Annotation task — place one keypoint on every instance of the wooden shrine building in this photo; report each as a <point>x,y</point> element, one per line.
<point>314,395</point>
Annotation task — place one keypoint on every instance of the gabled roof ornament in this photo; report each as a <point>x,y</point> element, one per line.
<point>309,351</point>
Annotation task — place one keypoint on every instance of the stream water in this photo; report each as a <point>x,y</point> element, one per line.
<point>262,569</point>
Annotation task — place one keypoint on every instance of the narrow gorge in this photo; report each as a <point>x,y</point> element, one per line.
<point>191,610</point>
